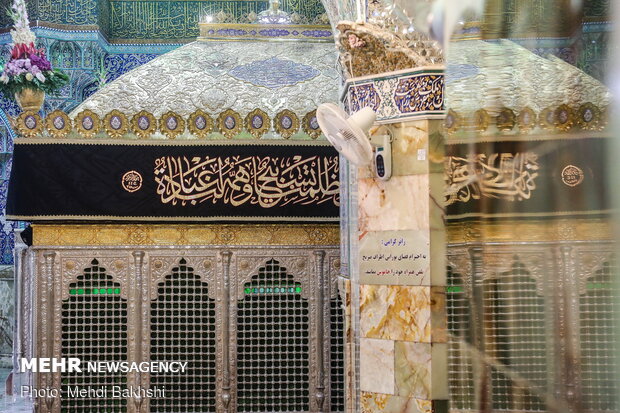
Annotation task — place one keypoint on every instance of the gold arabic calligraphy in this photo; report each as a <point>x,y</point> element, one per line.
<point>500,175</point>
<point>256,180</point>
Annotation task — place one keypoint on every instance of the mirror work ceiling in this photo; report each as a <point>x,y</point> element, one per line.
<point>152,19</point>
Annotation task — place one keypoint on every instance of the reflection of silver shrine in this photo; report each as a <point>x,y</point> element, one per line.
<point>273,15</point>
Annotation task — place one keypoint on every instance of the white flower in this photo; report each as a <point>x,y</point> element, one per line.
<point>29,76</point>
<point>40,77</point>
<point>4,79</point>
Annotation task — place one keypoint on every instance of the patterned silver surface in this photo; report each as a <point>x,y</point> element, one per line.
<point>215,75</point>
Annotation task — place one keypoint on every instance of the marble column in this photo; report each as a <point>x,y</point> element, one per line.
<point>399,266</point>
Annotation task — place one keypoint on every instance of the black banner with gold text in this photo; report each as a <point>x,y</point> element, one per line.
<point>173,181</point>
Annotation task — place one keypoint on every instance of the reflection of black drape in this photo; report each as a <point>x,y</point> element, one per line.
<point>176,182</point>
<point>532,178</point>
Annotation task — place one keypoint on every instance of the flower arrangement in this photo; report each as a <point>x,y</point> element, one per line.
<point>28,67</point>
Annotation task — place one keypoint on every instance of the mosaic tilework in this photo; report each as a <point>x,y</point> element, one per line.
<point>151,19</point>
<point>399,95</point>
<point>364,95</point>
<point>7,239</point>
<point>74,12</point>
<point>595,42</point>
<point>179,19</point>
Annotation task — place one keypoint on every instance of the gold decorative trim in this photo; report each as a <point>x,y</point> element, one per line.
<point>564,118</point>
<point>248,32</point>
<point>171,124</point>
<point>541,215</point>
<point>481,120</point>
<point>115,124</point>
<point>159,234</point>
<point>257,123</point>
<point>200,124</point>
<point>546,119</point>
<point>506,119</point>
<point>180,142</point>
<point>286,123</point>
<point>541,230</point>
<point>29,124</point>
<point>453,122</point>
<point>526,119</point>
<point>87,123</point>
<point>58,124</point>
<point>589,117</point>
<point>143,124</point>
<point>218,218</point>
<point>310,125</point>
<point>229,123</point>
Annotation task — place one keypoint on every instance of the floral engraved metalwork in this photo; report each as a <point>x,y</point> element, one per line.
<point>274,73</point>
<point>200,124</point>
<point>420,93</point>
<point>171,124</point>
<point>564,118</point>
<point>589,116</point>
<point>58,124</point>
<point>229,123</point>
<point>310,125</point>
<point>481,120</point>
<point>170,235</point>
<point>452,122</point>
<point>362,96</point>
<point>29,124</point>
<point>506,119</point>
<point>257,123</point>
<point>143,124</point>
<point>526,119</point>
<point>196,180</point>
<point>286,123</point>
<point>87,123</point>
<point>115,124</point>
<point>546,119</point>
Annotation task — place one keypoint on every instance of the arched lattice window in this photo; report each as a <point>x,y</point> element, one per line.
<point>515,334</point>
<point>94,328</point>
<point>183,329</point>
<point>273,343</point>
<point>599,347</point>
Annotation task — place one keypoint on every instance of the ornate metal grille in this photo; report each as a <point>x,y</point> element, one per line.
<point>183,329</point>
<point>94,328</point>
<point>260,341</point>
<point>598,341</point>
<point>272,344</point>
<point>515,335</point>
<point>337,354</point>
<point>460,374</point>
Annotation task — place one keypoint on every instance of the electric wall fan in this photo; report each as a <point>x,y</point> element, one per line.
<point>349,135</point>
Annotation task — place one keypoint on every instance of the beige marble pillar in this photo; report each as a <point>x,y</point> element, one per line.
<point>399,261</point>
